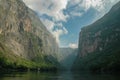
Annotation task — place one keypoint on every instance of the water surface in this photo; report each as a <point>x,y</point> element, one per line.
<point>57,76</point>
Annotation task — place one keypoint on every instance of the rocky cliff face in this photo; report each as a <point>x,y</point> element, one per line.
<point>99,43</point>
<point>101,34</point>
<point>22,32</point>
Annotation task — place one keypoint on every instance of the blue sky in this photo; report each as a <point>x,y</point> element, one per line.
<point>65,18</point>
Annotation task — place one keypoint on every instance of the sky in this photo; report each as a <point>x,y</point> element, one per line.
<point>65,18</point>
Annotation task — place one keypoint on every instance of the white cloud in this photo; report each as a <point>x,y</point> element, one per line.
<point>57,33</point>
<point>76,14</point>
<point>55,10</point>
<point>60,30</point>
<point>59,25</point>
<point>81,6</point>
<point>49,24</point>
<point>73,45</point>
<point>114,1</point>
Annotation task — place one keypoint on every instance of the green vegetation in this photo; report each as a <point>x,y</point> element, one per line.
<point>10,61</point>
<point>25,43</point>
<point>106,61</point>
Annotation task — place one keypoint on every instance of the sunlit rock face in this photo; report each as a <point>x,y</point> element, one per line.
<point>22,32</point>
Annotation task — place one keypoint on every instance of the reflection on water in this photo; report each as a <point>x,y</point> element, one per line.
<point>57,76</point>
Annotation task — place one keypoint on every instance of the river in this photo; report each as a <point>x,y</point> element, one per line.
<point>67,75</point>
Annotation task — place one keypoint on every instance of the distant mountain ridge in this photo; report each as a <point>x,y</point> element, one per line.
<point>66,57</point>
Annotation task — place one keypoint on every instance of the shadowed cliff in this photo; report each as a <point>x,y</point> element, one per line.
<point>99,44</point>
